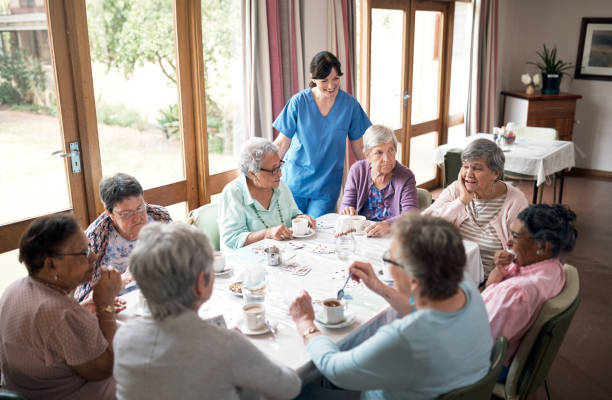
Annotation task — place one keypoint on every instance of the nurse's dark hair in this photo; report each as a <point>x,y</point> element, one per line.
<point>430,251</point>
<point>551,223</point>
<point>322,64</point>
<point>45,237</point>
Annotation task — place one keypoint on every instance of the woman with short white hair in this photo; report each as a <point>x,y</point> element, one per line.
<point>257,204</point>
<point>176,354</point>
<point>379,187</point>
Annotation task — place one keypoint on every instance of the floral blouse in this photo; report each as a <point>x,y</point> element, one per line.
<point>375,208</point>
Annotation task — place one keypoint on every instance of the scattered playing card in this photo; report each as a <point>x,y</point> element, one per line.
<point>301,271</point>
<point>323,249</point>
<point>295,245</point>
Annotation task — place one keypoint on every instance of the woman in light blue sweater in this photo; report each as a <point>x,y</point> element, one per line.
<point>442,339</point>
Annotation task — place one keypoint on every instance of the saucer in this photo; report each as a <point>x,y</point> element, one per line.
<point>349,318</point>
<point>226,271</point>
<point>243,328</point>
<point>307,234</point>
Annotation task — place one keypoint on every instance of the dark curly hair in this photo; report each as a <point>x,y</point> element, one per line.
<point>432,252</point>
<point>551,223</point>
<point>44,238</point>
<point>322,64</point>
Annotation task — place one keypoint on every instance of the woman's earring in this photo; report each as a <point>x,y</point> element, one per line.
<point>539,252</point>
<point>55,277</point>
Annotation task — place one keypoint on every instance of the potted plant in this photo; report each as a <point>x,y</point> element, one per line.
<point>552,70</point>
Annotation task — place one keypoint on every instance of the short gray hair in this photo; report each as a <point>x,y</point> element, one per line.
<point>376,135</point>
<point>166,261</point>
<point>118,187</point>
<point>487,149</point>
<point>430,251</point>
<point>253,152</point>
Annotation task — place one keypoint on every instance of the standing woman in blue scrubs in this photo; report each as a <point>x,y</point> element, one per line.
<point>313,128</point>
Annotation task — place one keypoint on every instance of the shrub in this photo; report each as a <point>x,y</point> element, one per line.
<point>119,115</point>
<point>21,74</point>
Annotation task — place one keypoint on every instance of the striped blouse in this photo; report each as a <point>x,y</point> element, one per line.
<point>478,228</point>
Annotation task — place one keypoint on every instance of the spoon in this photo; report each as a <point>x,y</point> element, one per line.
<point>341,291</point>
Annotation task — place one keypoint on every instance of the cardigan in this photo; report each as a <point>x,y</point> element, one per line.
<point>359,182</point>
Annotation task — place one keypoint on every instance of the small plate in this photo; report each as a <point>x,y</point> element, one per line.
<point>232,288</point>
<point>226,271</point>
<point>307,234</point>
<point>243,328</point>
<point>349,318</point>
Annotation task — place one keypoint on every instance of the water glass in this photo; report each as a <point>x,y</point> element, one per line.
<point>360,240</point>
<point>345,247</point>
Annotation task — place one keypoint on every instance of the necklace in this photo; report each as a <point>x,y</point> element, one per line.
<point>51,286</point>
<point>261,219</point>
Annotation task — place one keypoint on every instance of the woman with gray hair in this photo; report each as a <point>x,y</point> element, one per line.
<point>177,355</point>
<point>379,187</point>
<point>257,204</point>
<point>441,340</point>
<point>479,203</point>
<point>113,234</point>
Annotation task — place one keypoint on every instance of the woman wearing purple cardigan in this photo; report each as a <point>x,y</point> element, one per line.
<point>379,187</point>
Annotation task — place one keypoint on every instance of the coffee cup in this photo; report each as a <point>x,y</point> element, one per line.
<point>300,226</point>
<point>219,261</point>
<point>255,316</point>
<point>358,222</point>
<point>333,310</point>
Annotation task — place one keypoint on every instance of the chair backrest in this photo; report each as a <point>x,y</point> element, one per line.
<point>452,165</point>
<point>424,198</point>
<point>205,218</point>
<point>482,389</point>
<point>540,345</point>
<point>537,133</point>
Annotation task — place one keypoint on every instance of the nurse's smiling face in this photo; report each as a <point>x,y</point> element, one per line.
<point>328,86</point>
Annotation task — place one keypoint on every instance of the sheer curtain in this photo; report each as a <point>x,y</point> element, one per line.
<point>484,69</point>
<point>341,38</point>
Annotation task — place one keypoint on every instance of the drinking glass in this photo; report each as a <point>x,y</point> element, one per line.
<point>360,241</point>
<point>345,247</point>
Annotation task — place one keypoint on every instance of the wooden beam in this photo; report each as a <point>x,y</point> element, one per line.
<point>426,127</point>
<point>167,195</point>
<point>10,234</point>
<point>217,182</point>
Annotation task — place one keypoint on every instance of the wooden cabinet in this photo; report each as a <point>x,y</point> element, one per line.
<point>544,110</point>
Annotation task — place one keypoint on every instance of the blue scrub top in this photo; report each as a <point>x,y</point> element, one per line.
<point>315,160</point>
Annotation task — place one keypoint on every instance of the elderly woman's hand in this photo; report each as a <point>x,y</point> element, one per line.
<point>311,221</point>
<point>378,229</point>
<point>503,258</point>
<point>348,211</point>
<point>107,287</point>
<point>301,309</point>
<point>464,195</point>
<point>365,273</point>
<point>280,232</point>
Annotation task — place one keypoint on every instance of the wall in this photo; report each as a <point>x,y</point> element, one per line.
<point>524,26</point>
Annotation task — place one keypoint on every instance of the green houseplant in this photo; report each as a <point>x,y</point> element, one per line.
<point>551,68</point>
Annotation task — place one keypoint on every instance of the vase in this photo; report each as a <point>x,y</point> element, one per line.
<point>551,83</point>
<point>530,89</point>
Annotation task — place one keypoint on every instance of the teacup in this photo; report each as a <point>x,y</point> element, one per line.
<point>334,310</point>
<point>358,222</point>
<point>255,316</point>
<point>219,261</point>
<point>300,226</point>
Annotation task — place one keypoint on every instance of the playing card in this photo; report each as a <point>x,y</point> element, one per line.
<point>301,271</point>
<point>322,249</point>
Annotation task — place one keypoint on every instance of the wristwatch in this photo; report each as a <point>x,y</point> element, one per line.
<point>310,331</point>
<point>107,308</point>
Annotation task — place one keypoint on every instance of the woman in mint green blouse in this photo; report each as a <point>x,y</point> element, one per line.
<point>257,204</point>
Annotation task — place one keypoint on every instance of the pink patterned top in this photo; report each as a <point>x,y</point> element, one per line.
<point>514,303</point>
<point>42,333</point>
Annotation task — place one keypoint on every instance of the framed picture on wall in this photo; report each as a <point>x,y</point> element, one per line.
<point>594,58</point>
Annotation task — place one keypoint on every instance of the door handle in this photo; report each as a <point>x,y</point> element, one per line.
<point>74,155</point>
<point>406,98</point>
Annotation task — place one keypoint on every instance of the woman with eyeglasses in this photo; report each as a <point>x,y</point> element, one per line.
<point>257,204</point>
<point>51,347</point>
<point>441,339</point>
<point>113,234</point>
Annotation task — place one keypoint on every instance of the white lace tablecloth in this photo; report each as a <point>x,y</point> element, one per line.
<point>328,273</point>
<point>525,156</point>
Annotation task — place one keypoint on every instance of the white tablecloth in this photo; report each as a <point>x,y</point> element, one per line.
<point>328,273</point>
<point>525,156</point>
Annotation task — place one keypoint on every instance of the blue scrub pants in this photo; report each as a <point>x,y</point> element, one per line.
<point>315,207</point>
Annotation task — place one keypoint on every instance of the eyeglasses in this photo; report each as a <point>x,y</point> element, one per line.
<point>83,253</point>
<point>387,260</point>
<point>130,213</point>
<point>274,171</point>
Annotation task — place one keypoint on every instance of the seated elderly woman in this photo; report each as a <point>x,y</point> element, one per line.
<point>177,355</point>
<point>257,204</point>
<point>379,187</point>
<point>113,234</point>
<point>50,346</point>
<point>441,343</point>
<point>479,203</point>
<point>525,278</point>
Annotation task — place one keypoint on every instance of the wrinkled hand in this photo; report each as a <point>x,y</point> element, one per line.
<point>119,305</point>
<point>301,309</point>
<point>363,272</point>
<point>311,221</point>
<point>496,275</point>
<point>280,232</point>
<point>107,287</point>
<point>464,195</point>
<point>503,258</point>
<point>378,229</point>
<point>348,211</point>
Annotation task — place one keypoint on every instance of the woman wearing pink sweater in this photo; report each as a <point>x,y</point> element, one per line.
<point>479,203</point>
